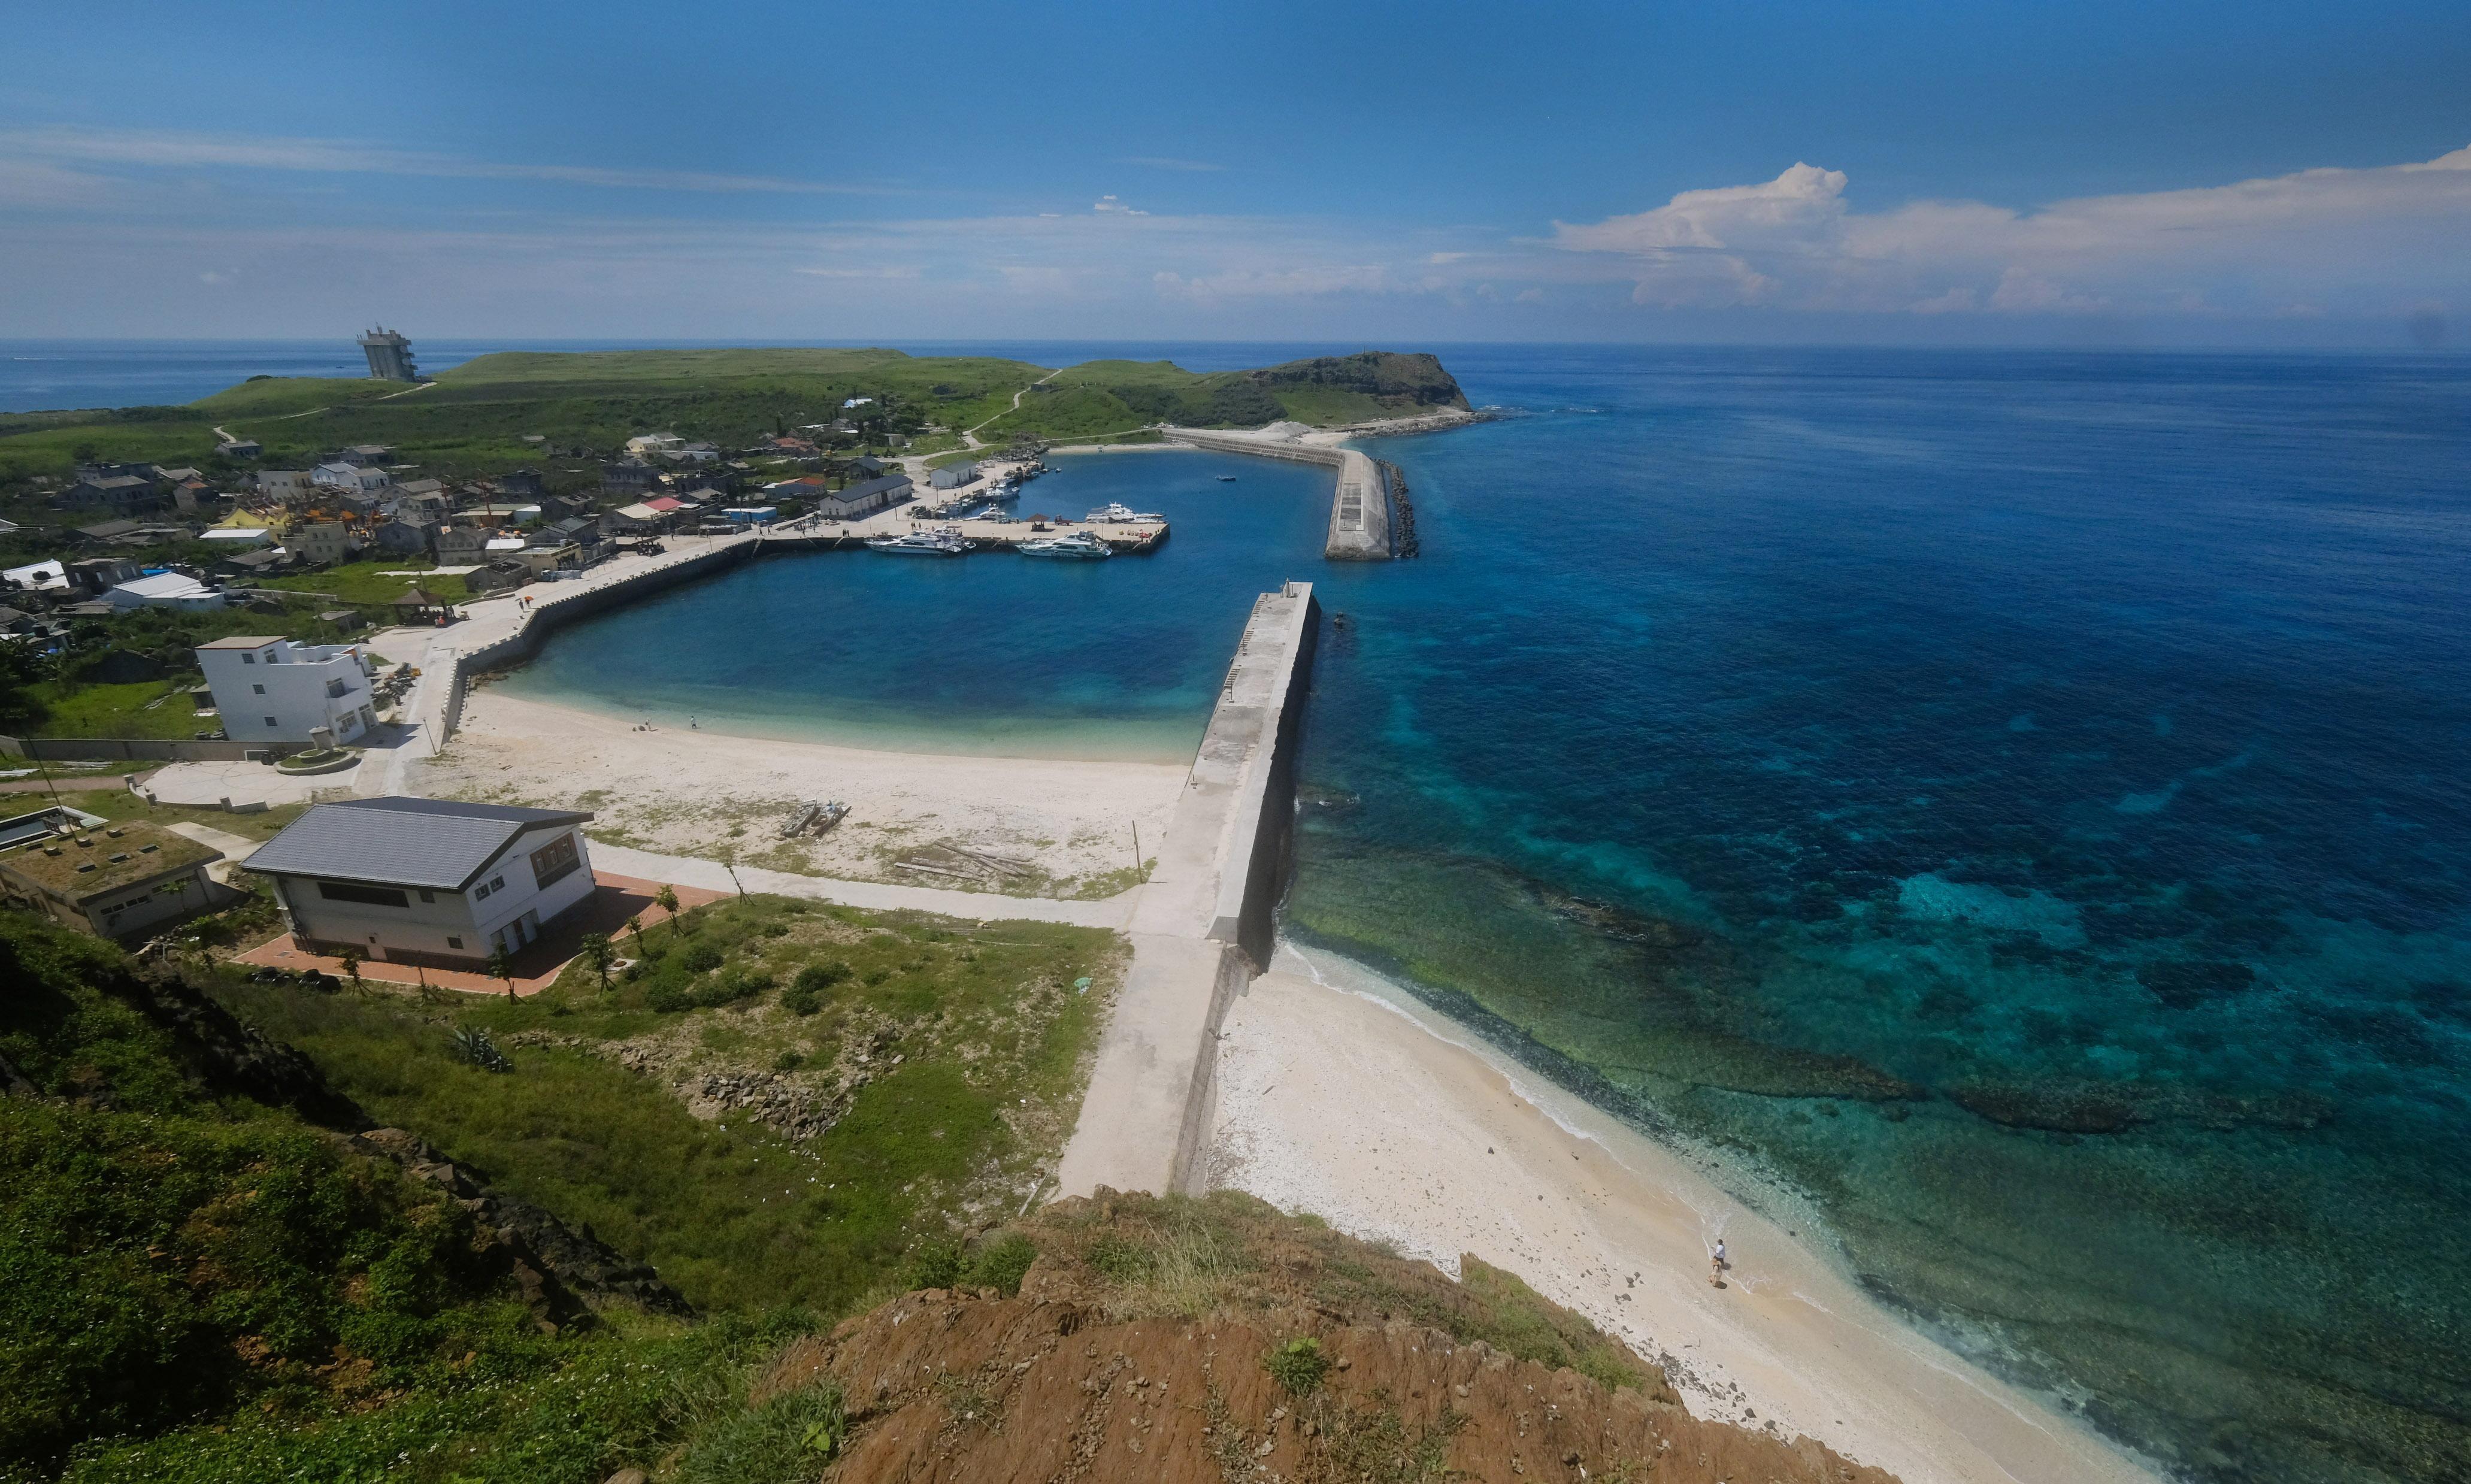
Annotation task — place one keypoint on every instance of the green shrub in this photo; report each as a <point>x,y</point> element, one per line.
<point>1000,1263</point>
<point>786,1441</point>
<point>738,983</point>
<point>1298,1365</point>
<point>1125,1261</point>
<point>937,1264</point>
<point>701,958</point>
<point>800,999</point>
<point>820,977</point>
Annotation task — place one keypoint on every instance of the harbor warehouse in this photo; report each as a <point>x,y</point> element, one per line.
<point>426,881</point>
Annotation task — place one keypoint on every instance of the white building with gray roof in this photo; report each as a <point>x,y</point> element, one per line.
<point>427,880</point>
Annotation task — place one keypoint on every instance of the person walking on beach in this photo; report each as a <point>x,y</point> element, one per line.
<point>1716,1266</point>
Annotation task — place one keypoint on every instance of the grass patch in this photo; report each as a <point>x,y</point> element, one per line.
<point>366,584</point>
<point>954,1059</point>
<point>145,708</point>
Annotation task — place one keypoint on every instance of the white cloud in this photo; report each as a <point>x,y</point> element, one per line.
<point>2372,237</point>
<point>177,150</point>
<point>1109,205</point>
<point>1278,283</point>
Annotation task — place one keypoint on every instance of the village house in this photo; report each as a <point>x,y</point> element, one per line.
<point>245,566</point>
<point>115,880</point>
<point>282,483</point>
<point>99,575</point>
<point>406,537</point>
<point>629,477</point>
<point>863,499</point>
<point>319,543</point>
<point>363,455</point>
<point>271,690</point>
<point>954,475</point>
<point>175,590</point>
<point>117,493</point>
<point>241,448</point>
<point>338,474</point>
<point>461,544</point>
<point>427,880</point>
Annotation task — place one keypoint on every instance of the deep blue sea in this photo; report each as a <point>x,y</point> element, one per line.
<point>2015,799</point>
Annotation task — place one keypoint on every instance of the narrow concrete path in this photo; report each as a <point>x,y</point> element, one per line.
<point>1112,913</point>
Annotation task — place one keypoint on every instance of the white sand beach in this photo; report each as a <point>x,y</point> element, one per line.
<point>700,792</point>
<point>1368,1109</point>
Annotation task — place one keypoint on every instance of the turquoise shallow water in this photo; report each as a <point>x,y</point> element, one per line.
<point>2016,800</point>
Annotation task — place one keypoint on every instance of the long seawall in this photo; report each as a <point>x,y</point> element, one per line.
<point>551,613</point>
<point>1204,927</point>
<point>1359,505</point>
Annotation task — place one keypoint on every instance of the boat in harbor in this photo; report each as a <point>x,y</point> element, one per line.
<point>1123,515</point>
<point>1079,546</point>
<point>920,543</point>
<point>1226,479</point>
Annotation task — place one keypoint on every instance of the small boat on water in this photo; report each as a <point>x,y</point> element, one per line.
<point>1080,546</point>
<point>1226,479</point>
<point>920,543</point>
<point>1123,515</point>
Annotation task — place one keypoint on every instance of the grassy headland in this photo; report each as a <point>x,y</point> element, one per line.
<point>474,419</point>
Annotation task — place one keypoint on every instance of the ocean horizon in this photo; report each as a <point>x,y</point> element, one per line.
<point>2009,800</point>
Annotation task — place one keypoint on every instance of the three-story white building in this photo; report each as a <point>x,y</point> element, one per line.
<point>273,691</point>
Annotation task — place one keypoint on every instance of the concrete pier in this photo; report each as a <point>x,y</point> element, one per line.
<point>1359,505</point>
<point>1203,925</point>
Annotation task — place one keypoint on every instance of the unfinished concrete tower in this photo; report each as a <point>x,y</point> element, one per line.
<point>389,356</point>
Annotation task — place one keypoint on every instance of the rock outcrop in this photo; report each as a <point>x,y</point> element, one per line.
<point>1408,1375</point>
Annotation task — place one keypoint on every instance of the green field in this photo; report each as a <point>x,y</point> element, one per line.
<point>473,419</point>
<point>366,584</point>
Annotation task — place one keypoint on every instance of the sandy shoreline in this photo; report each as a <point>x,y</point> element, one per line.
<point>1375,1113</point>
<point>700,792</point>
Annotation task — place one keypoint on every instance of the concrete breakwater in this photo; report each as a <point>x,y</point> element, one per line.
<point>1204,927</point>
<point>1359,505</point>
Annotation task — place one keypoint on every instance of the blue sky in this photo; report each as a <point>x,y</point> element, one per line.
<point>2263,174</point>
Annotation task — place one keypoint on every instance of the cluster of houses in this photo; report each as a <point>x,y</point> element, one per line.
<point>357,504</point>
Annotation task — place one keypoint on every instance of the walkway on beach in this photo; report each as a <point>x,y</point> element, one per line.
<point>1114,913</point>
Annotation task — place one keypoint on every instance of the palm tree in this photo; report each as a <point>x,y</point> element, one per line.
<point>635,926</point>
<point>502,967</point>
<point>597,952</point>
<point>667,900</point>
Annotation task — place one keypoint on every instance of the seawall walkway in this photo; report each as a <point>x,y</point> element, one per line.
<point>1203,927</point>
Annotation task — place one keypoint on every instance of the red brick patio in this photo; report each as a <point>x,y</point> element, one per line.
<point>541,961</point>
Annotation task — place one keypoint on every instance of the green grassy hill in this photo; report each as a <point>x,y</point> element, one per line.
<point>474,419</point>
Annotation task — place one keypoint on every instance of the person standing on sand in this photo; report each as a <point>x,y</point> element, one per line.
<point>1716,1266</point>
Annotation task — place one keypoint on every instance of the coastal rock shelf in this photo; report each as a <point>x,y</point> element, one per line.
<point>1203,928</point>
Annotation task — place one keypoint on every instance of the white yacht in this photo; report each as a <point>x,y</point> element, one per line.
<point>920,543</point>
<point>1123,515</point>
<point>1080,546</point>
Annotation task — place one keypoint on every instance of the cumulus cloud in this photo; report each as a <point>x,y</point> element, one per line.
<point>1109,205</point>
<point>2252,247</point>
